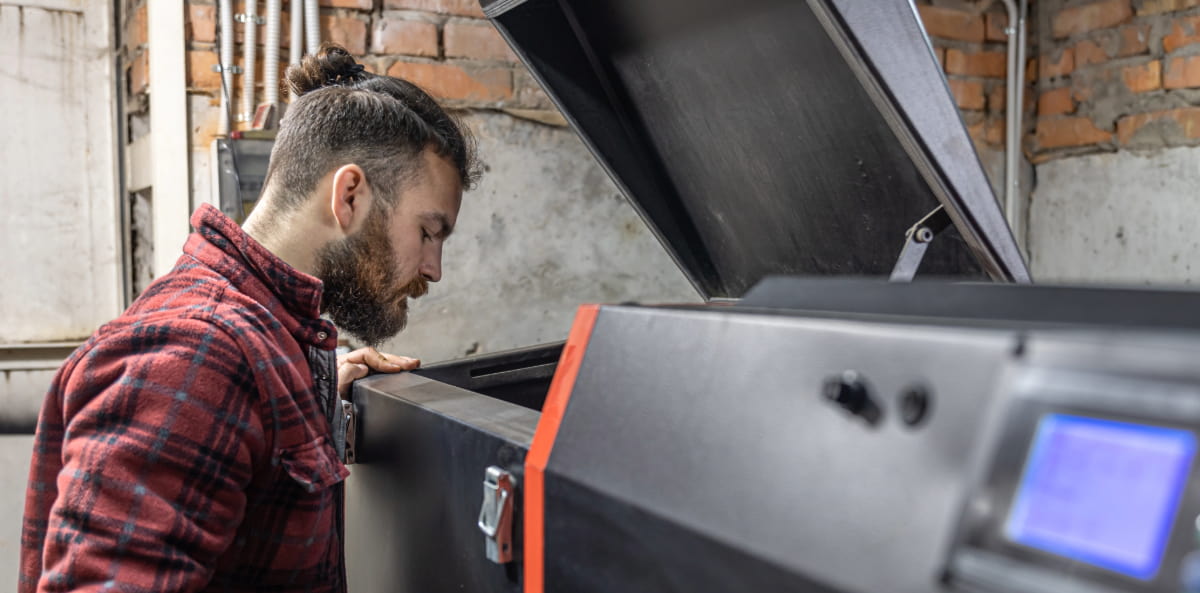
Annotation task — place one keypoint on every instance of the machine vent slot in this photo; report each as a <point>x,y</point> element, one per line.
<point>505,367</point>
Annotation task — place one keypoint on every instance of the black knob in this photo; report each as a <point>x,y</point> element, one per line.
<point>848,391</point>
<point>914,405</point>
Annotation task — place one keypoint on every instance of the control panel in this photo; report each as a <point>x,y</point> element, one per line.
<point>1090,486</point>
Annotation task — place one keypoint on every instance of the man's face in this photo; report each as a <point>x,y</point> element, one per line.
<point>370,275</point>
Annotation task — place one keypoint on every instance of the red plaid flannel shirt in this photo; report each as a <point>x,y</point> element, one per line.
<point>186,445</point>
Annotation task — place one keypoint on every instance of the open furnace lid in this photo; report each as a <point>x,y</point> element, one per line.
<point>761,137</point>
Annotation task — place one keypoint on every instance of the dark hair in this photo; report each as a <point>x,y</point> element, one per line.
<point>342,114</point>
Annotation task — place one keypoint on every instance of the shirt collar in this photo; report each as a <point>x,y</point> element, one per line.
<point>245,262</point>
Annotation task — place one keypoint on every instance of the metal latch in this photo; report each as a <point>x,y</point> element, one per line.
<point>496,515</point>
<point>916,241</point>
<point>351,437</point>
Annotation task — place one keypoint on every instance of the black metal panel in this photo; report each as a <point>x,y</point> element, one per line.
<point>1011,305</point>
<point>751,136</point>
<point>413,500</point>
<point>639,552</point>
<point>735,443</point>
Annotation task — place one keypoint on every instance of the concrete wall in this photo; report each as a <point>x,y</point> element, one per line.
<point>58,233</point>
<point>15,453</point>
<point>1123,217</point>
<point>545,231</point>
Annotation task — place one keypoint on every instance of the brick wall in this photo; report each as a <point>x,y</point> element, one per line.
<point>445,46</point>
<point>1117,74</point>
<point>135,65</point>
<point>970,41</point>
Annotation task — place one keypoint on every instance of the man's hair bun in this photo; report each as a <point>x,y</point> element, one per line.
<point>331,66</point>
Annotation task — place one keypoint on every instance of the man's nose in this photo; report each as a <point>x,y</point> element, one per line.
<point>431,267</point>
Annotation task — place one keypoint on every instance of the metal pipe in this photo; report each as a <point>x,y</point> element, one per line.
<point>1013,113</point>
<point>295,33</point>
<point>1017,219</point>
<point>271,54</point>
<point>250,53</point>
<point>312,25</point>
<point>225,7</point>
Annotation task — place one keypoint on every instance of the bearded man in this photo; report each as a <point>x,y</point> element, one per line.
<point>196,442</point>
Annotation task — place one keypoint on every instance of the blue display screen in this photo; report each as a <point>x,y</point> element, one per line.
<point>1101,492</point>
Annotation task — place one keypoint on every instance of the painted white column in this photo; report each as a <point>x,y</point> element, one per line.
<point>171,195</point>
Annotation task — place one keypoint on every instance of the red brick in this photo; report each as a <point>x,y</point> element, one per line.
<point>136,34</point>
<point>201,23</point>
<point>1182,73</point>
<point>1184,31</point>
<point>995,23</point>
<point>475,39</point>
<point>455,7</point>
<point>997,98</point>
<point>1135,39</point>
<point>200,74</point>
<point>529,93</point>
<point>987,64</point>
<point>1063,132</point>
<point>398,36</point>
<point>1186,119</point>
<point>1089,17</point>
<point>1143,78</point>
<point>1062,66</point>
<point>968,94</point>
<point>346,31</point>
<point>977,132</point>
<point>1161,6</point>
<point>1056,102</point>
<point>449,81</point>
<point>139,73</point>
<point>1082,91</point>
<point>948,23</point>
<point>988,132</point>
<point>1088,52</point>
<point>994,131</point>
<point>354,4</point>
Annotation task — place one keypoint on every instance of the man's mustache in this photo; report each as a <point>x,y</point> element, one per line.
<point>415,289</point>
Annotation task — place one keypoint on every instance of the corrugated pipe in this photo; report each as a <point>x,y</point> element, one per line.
<point>312,25</point>
<point>1013,114</point>
<point>225,7</point>
<point>271,55</point>
<point>250,53</point>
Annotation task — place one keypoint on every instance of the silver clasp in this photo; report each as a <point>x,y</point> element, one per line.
<point>350,418</point>
<point>496,515</point>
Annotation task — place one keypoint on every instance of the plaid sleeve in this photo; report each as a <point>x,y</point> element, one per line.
<point>162,433</point>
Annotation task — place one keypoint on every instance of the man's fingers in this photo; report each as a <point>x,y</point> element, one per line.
<point>384,363</point>
<point>348,373</point>
<point>352,371</point>
<point>402,363</point>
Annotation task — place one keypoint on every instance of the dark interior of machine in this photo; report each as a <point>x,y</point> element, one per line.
<point>520,377</point>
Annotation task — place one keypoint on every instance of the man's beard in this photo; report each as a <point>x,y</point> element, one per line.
<point>363,292</point>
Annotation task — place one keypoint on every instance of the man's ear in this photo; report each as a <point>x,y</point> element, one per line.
<point>350,198</point>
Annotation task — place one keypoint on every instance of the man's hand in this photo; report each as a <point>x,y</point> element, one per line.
<point>355,365</point>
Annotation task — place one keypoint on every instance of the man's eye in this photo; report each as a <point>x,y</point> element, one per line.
<point>425,236</point>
